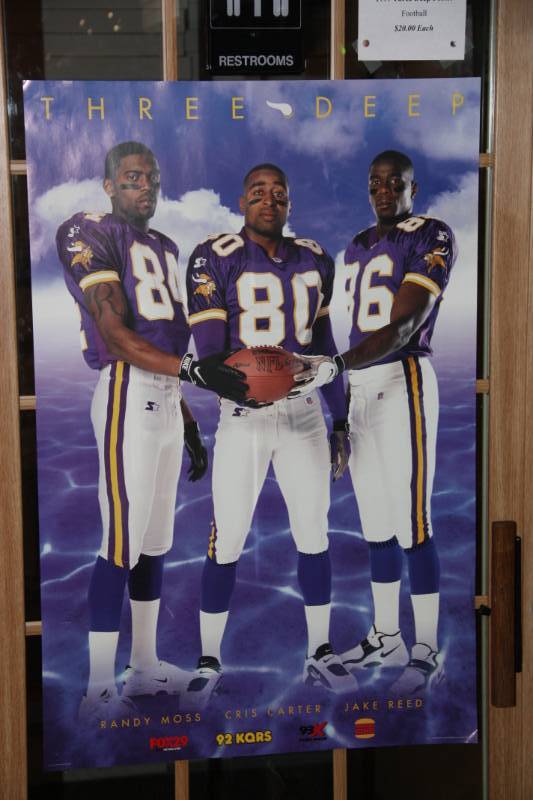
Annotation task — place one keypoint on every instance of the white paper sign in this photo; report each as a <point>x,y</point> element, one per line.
<point>412,30</point>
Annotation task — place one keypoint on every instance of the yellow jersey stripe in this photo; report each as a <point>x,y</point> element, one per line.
<point>104,276</point>
<point>114,465</point>
<point>421,280</point>
<point>212,537</point>
<point>211,313</point>
<point>420,452</point>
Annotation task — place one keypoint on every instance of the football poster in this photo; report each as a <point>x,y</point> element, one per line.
<point>262,691</point>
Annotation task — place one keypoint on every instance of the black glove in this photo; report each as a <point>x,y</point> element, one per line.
<point>196,450</point>
<point>339,444</point>
<point>212,373</point>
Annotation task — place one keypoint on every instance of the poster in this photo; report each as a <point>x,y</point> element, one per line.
<point>206,136</point>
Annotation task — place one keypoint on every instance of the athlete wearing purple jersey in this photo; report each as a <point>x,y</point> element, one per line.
<point>123,277</point>
<point>251,289</point>
<point>398,271</point>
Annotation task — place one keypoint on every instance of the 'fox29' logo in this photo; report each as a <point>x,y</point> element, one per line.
<point>255,13</point>
<point>168,742</point>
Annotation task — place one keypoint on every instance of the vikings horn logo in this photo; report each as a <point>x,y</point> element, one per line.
<point>83,252</point>
<point>436,258</point>
<point>206,285</point>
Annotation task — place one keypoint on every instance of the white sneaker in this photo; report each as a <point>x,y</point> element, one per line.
<point>377,650</point>
<point>424,671</point>
<point>106,706</point>
<point>206,679</point>
<point>325,668</point>
<point>162,678</point>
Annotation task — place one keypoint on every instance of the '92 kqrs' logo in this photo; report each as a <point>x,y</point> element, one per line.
<point>168,742</point>
<point>313,733</point>
<point>243,737</point>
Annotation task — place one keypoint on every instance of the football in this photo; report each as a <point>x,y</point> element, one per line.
<point>269,371</point>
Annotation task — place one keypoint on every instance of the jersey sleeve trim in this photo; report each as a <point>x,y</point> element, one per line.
<point>211,313</point>
<point>421,280</point>
<point>103,276</point>
<point>323,312</point>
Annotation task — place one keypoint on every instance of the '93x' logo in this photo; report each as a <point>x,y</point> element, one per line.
<point>312,733</point>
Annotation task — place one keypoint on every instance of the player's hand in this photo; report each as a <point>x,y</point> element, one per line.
<point>251,403</point>
<point>196,450</point>
<point>318,371</point>
<point>212,373</point>
<point>339,444</point>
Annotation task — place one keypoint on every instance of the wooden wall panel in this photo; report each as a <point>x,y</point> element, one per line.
<point>12,662</point>
<point>527,530</point>
<point>170,40</point>
<point>510,405</point>
<point>338,35</point>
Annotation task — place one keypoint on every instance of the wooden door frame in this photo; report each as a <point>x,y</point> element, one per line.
<point>511,368</point>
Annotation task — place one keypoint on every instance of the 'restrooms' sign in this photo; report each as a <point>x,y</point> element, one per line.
<point>256,37</point>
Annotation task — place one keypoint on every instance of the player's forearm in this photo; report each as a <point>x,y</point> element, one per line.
<point>186,412</point>
<point>382,343</point>
<point>323,341</point>
<point>126,345</point>
<point>333,394</point>
<point>108,307</point>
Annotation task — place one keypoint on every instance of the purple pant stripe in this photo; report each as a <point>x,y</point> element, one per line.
<point>413,403</point>
<point>120,465</point>
<point>107,449</point>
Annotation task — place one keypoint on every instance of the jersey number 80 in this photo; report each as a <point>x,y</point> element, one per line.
<point>262,322</point>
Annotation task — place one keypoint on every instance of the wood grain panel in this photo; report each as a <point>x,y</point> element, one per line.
<point>170,40</point>
<point>338,34</point>
<point>527,547</point>
<point>33,628</point>
<point>12,663</point>
<point>181,780</point>
<point>340,780</point>
<point>509,405</point>
<point>27,402</point>
<point>18,167</point>
<point>486,160</point>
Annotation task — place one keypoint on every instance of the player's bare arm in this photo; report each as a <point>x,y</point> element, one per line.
<point>333,394</point>
<point>107,305</point>
<point>411,307</point>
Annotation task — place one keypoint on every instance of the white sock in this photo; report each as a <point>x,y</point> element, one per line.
<point>317,618</point>
<point>212,627</point>
<point>426,614</point>
<point>386,606</point>
<point>102,653</point>
<point>144,615</point>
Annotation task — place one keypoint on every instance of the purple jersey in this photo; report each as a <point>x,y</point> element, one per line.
<point>262,300</point>
<point>101,248</point>
<point>419,250</point>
